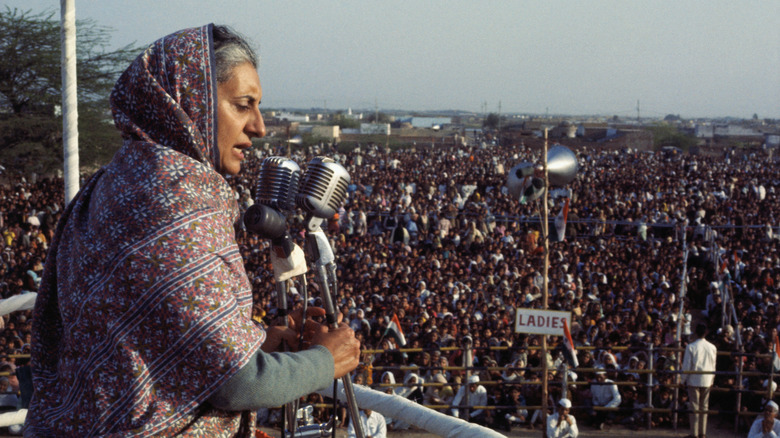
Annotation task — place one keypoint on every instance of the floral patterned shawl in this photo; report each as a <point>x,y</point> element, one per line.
<point>145,308</point>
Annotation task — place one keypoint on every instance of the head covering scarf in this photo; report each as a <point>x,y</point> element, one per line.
<point>409,388</point>
<point>145,308</point>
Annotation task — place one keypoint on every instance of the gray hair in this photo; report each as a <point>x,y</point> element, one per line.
<point>230,50</point>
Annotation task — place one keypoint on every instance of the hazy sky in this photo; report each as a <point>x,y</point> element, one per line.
<point>694,58</point>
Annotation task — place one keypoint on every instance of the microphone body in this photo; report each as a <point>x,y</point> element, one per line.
<point>265,221</point>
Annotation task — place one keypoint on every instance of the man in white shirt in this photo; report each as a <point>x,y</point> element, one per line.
<point>605,394</point>
<point>561,424</point>
<point>373,423</point>
<point>700,356</point>
<point>766,425</point>
<point>477,397</point>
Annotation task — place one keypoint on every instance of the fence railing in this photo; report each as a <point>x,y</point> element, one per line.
<point>649,380</point>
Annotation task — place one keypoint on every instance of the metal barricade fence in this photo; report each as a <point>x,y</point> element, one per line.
<point>649,379</point>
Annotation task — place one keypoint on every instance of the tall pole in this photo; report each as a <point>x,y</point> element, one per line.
<point>70,128</point>
<point>498,137</point>
<point>545,285</point>
<point>680,316</point>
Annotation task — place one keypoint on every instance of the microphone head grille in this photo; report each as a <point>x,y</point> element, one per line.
<point>323,187</point>
<point>277,184</point>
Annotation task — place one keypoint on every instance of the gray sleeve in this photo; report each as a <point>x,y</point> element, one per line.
<point>271,380</point>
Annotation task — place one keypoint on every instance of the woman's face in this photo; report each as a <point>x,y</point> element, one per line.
<point>238,116</point>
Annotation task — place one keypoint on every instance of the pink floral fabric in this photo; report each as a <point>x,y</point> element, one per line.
<point>145,308</point>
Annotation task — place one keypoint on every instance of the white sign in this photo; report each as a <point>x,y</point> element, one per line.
<point>541,322</point>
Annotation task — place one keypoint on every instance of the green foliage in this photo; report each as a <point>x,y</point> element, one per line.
<point>491,121</point>
<point>30,143</point>
<point>33,143</point>
<point>378,118</point>
<point>345,122</point>
<point>667,135</point>
<point>98,137</point>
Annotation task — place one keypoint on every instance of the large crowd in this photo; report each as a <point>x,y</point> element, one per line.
<point>431,237</point>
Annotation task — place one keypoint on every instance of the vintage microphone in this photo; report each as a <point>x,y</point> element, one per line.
<point>277,185</point>
<point>323,189</point>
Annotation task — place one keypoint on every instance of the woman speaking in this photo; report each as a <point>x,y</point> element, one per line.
<point>143,324</point>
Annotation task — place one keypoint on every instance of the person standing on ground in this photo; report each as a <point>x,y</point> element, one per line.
<point>700,356</point>
<point>604,394</point>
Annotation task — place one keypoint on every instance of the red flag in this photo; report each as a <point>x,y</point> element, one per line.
<point>568,346</point>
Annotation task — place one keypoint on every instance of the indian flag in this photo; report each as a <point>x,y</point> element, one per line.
<point>395,327</point>
<point>776,360</point>
<point>568,346</point>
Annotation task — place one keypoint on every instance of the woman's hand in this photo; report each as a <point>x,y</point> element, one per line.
<point>343,346</point>
<point>290,335</point>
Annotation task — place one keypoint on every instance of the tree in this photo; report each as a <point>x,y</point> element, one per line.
<point>344,122</point>
<point>378,118</point>
<point>491,121</point>
<point>30,84</point>
<point>667,135</point>
<point>30,75</point>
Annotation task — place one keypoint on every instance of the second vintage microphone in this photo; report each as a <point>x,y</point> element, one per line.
<point>323,188</point>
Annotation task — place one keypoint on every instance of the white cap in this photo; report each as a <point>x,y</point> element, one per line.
<point>772,405</point>
<point>474,379</point>
<point>565,403</point>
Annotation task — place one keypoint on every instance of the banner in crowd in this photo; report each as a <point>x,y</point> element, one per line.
<point>541,322</point>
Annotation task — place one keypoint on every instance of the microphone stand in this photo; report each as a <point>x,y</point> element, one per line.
<point>319,249</point>
<point>283,247</point>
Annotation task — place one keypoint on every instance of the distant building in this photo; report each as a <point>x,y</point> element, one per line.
<point>290,117</point>
<point>426,122</point>
<point>329,132</point>
<point>350,115</point>
<point>375,128</point>
<point>710,131</point>
<point>736,131</point>
<point>703,131</point>
<point>772,141</point>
